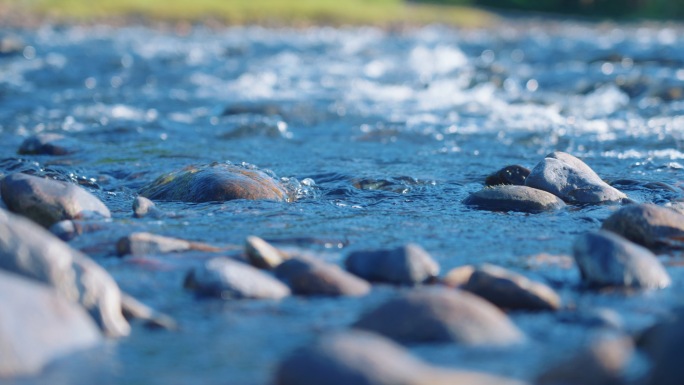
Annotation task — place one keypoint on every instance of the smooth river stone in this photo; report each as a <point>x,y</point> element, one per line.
<point>509,290</point>
<point>228,279</point>
<point>48,144</point>
<point>607,259</point>
<point>30,251</point>
<point>649,225</point>
<point>262,254</point>
<point>441,315</point>
<point>572,180</point>
<point>217,182</point>
<point>509,175</point>
<point>405,265</point>
<point>307,276</point>
<point>48,201</point>
<point>514,198</point>
<point>37,326</point>
<point>143,207</point>
<point>141,244</point>
<point>362,358</point>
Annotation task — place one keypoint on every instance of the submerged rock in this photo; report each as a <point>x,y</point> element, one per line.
<point>262,254</point>
<point>606,259</point>
<point>140,244</point>
<point>362,358</point>
<point>215,182</point>
<point>48,144</point>
<point>68,229</point>
<point>514,175</point>
<point>514,198</point>
<point>229,279</point>
<point>48,201</point>
<point>37,326</point>
<point>649,225</point>
<point>308,276</point>
<point>143,207</point>
<point>441,315</point>
<point>405,265</point>
<point>572,180</point>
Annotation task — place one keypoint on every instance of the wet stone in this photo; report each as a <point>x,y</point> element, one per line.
<point>307,276</point>
<point>606,259</point>
<point>405,265</point>
<point>141,244</point>
<point>664,346</point>
<point>48,201</point>
<point>649,225</point>
<point>229,279</point>
<point>514,175</point>
<point>67,230</point>
<point>458,276</point>
<point>593,318</point>
<point>145,208</point>
<point>441,315</point>
<point>262,254</point>
<point>216,182</point>
<point>48,144</point>
<point>572,180</point>
<point>10,45</point>
<point>514,198</point>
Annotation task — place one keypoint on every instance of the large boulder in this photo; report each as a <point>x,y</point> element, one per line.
<point>37,326</point>
<point>572,180</point>
<point>308,276</point>
<point>48,201</point>
<point>30,251</point>
<point>215,182</point>
<point>649,225</point>
<point>405,265</point>
<point>514,198</point>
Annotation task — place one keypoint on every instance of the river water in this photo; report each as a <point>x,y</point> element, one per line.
<point>382,133</point>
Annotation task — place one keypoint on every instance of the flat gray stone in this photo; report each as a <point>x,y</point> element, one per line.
<point>405,265</point>
<point>649,225</point>
<point>514,198</point>
<point>307,276</point>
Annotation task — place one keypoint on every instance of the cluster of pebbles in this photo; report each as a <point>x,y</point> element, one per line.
<point>79,303</point>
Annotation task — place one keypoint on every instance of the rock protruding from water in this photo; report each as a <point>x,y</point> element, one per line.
<point>140,244</point>
<point>606,259</point>
<point>513,175</point>
<point>48,201</point>
<point>405,265</point>
<point>441,315</point>
<point>509,290</point>
<point>145,208</point>
<point>69,229</point>
<point>649,225</point>
<point>229,279</point>
<point>262,254</point>
<point>216,182</point>
<point>308,276</point>
<point>514,198</point>
<point>30,251</point>
<point>37,326</point>
<point>662,343</point>
<point>48,144</point>
<point>362,358</point>
<point>572,180</point>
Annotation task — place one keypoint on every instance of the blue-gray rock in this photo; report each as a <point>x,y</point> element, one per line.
<point>514,198</point>
<point>405,265</point>
<point>143,207</point>
<point>572,180</point>
<point>48,201</point>
<point>606,259</point>
<point>513,175</point>
<point>141,244</point>
<point>441,315</point>
<point>67,230</point>
<point>48,144</point>
<point>308,276</point>
<point>649,225</point>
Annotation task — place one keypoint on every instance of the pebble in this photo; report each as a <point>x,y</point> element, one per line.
<point>48,144</point>
<point>145,208</point>
<point>308,276</point>
<point>606,259</point>
<point>441,315</point>
<point>48,201</point>
<point>141,244</point>
<point>649,225</point>
<point>262,254</point>
<point>513,175</point>
<point>514,198</point>
<point>405,265</point>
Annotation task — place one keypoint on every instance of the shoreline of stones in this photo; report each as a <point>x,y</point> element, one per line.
<point>465,306</point>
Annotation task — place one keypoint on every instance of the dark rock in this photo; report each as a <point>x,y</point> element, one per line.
<point>441,315</point>
<point>67,230</point>
<point>514,198</point>
<point>665,351</point>
<point>606,259</point>
<point>509,290</point>
<point>362,358</point>
<point>228,279</point>
<point>262,254</point>
<point>405,265</point>
<point>140,244</point>
<point>48,201</point>
<point>572,180</point>
<point>37,326</point>
<point>48,144</point>
<point>216,182</point>
<point>514,175</point>
<point>252,109</point>
<point>649,225</point>
<point>143,207</point>
<point>307,276</point>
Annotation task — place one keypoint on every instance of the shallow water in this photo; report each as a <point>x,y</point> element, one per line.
<point>383,133</point>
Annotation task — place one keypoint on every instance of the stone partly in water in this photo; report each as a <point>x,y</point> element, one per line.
<point>141,244</point>
<point>606,259</point>
<point>405,265</point>
<point>362,358</point>
<point>229,279</point>
<point>509,290</point>
<point>48,201</point>
<point>67,230</point>
<point>514,175</point>
<point>262,254</point>
<point>29,250</point>
<point>145,208</point>
<point>572,180</point>
<point>308,276</point>
<point>37,326</point>
<point>217,182</point>
<point>514,198</point>
<point>649,225</point>
<point>441,315</point>
<point>48,144</point>
<point>662,344</point>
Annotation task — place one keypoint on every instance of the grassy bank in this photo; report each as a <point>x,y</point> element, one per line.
<point>276,12</point>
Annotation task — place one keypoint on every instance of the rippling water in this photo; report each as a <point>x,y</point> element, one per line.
<point>383,133</point>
